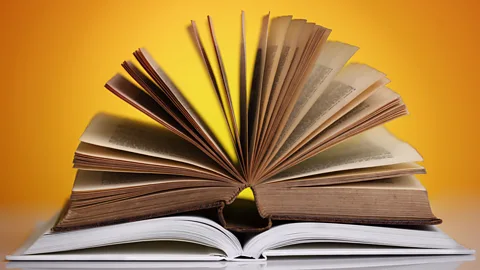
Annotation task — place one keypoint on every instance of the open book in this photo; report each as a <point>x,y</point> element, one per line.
<point>196,238</point>
<point>308,142</point>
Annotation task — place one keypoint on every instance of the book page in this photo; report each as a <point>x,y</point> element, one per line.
<point>155,92</point>
<point>232,121</point>
<point>191,229</point>
<point>256,87</point>
<point>276,37</point>
<point>142,138</point>
<point>379,108</point>
<point>89,156</point>
<point>130,93</point>
<point>243,90</point>
<point>333,57</point>
<point>289,50</point>
<point>317,232</point>
<point>95,180</point>
<point>378,101</point>
<point>313,47</point>
<point>304,40</point>
<point>377,104</point>
<point>175,95</point>
<point>350,176</point>
<point>348,85</point>
<point>228,113</point>
<point>405,182</point>
<point>376,147</point>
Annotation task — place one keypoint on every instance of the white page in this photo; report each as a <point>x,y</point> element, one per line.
<point>332,248</point>
<point>428,237</point>
<point>190,229</point>
<point>146,251</point>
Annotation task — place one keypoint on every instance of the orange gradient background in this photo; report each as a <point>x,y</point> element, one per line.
<point>57,56</point>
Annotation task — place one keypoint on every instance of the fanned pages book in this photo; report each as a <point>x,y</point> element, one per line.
<point>308,141</point>
<point>195,238</point>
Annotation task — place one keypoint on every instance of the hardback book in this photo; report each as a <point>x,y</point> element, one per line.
<point>197,238</point>
<point>307,140</point>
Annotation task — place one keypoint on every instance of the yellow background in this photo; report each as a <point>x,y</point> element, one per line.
<point>56,57</point>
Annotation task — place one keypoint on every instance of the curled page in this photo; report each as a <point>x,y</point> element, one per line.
<point>142,138</point>
<point>333,57</point>
<point>376,147</point>
<point>348,84</point>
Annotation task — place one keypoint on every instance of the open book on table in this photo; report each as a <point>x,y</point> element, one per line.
<point>196,238</point>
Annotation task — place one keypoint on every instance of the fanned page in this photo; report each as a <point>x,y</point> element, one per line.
<point>162,112</point>
<point>332,58</point>
<point>381,106</point>
<point>255,92</point>
<point>348,85</point>
<point>98,158</point>
<point>373,148</point>
<point>228,113</point>
<point>136,137</point>
<point>307,59</point>
<point>175,95</point>
<point>290,48</point>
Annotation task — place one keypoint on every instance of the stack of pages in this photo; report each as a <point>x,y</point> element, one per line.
<point>326,177</point>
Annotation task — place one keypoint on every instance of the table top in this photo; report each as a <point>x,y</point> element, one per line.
<point>460,221</point>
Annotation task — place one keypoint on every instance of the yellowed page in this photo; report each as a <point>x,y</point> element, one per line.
<point>375,102</point>
<point>142,138</point>
<point>94,180</point>
<point>382,106</point>
<point>286,58</point>
<point>333,57</point>
<point>243,91</point>
<point>285,95</point>
<point>313,47</point>
<point>231,119</point>
<point>255,90</point>
<point>404,182</point>
<point>109,155</point>
<point>276,37</point>
<point>350,176</point>
<point>348,84</point>
<point>154,69</point>
<point>376,147</point>
<point>130,93</point>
